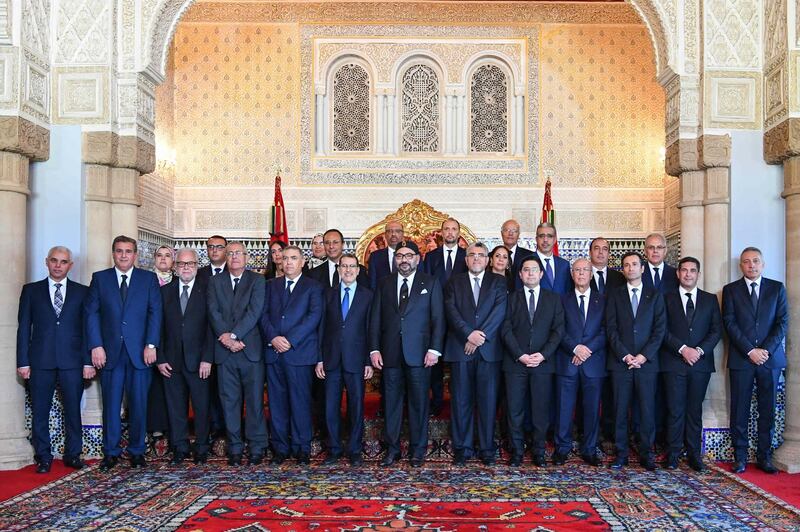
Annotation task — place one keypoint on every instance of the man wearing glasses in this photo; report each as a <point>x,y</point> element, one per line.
<point>185,358</point>
<point>475,303</point>
<point>509,232</point>
<point>407,326</point>
<point>658,274</point>
<point>216,255</point>
<point>381,261</point>
<point>235,304</point>
<point>327,273</point>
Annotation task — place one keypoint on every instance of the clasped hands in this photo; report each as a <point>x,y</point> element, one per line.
<point>634,362</point>
<point>758,356</point>
<point>531,360</point>
<point>474,341</point>
<point>232,345</point>
<point>690,355</point>
<point>582,354</point>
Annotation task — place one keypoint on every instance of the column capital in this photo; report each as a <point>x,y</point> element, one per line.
<point>682,156</point>
<point>111,149</point>
<point>14,173</point>
<point>714,151</point>
<point>782,141</point>
<point>22,136</point>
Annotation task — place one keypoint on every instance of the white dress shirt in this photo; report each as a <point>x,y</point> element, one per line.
<point>181,284</point>
<point>294,283</point>
<point>52,285</point>
<point>120,273</point>
<point>587,295</point>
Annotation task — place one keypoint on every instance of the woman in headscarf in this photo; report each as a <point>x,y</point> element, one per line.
<point>317,252</point>
<point>164,259</point>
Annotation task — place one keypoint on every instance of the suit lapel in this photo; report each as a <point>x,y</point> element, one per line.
<point>45,294</point>
<point>486,286</point>
<point>417,286</point>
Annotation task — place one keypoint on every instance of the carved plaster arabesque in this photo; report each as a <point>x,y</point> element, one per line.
<point>8,59</point>
<point>83,32</point>
<point>775,92</point>
<point>36,27</point>
<point>22,136</point>
<point>732,33</point>
<point>733,100</point>
<point>782,141</point>
<point>82,95</point>
<point>5,22</point>
<point>775,34</point>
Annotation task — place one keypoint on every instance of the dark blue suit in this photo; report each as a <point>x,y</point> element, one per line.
<point>297,317</point>
<point>379,267</point>
<point>55,350</point>
<point>640,335</point>
<point>684,385</point>
<point>123,331</point>
<point>748,328</point>
<point>474,379</point>
<point>345,353</point>
<point>563,277</point>
<point>669,278</point>
<point>588,377</point>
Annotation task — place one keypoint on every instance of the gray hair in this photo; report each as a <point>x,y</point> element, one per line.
<point>62,249</point>
<point>188,250</point>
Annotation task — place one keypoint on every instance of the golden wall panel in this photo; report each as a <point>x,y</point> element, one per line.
<point>236,103</point>
<point>600,138</point>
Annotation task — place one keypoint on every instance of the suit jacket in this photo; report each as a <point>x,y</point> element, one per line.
<point>592,334</point>
<point>435,262</point>
<point>236,313</point>
<point>110,324</point>
<point>204,273</point>
<point>45,341</point>
<point>704,331</point>
<point>669,278</point>
<point>187,339</point>
<point>345,343</point>
<point>378,267</point>
<point>748,328</point>
<point>516,266</point>
<point>298,318</point>
<point>613,280</point>
<point>420,328</point>
<point>563,276</point>
<point>321,275</point>
<point>520,337</point>
<point>627,335</point>
<point>463,316</point>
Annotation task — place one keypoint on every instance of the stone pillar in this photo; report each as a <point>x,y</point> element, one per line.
<point>787,456</point>
<point>693,188</point>
<point>124,194</point>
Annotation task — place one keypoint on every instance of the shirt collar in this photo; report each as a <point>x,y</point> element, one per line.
<point>588,294</point>
<point>181,284</point>
<point>535,290</point>
<point>748,282</point>
<point>234,276</point>
<point>638,288</point>
<point>454,248</point>
<point>693,291</point>
<point>120,273</point>
<point>410,278</point>
<point>294,281</point>
<point>51,282</point>
<point>595,269</point>
<point>479,276</point>
<point>543,256</point>
<point>352,287</point>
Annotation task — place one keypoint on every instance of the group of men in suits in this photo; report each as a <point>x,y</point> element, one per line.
<point>543,341</point>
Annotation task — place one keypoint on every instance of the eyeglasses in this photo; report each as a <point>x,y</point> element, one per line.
<point>405,256</point>
<point>215,246</point>
<point>660,248</point>
<point>479,255</point>
<point>531,270</point>
<point>349,266</point>
<point>190,264</point>
<point>582,270</point>
<point>236,253</point>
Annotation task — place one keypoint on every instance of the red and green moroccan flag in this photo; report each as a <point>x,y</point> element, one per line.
<point>548,212</point>
<point>279,230</point>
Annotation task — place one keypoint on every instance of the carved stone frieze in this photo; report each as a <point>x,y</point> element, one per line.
<point>14,173</point>
<point>775,17</point>
<point>682,156</point>
<point>732,32</point>
<point>5,22</point>
<point>732,100</point>
<point>125,186</point>
<point>100,147</point>
<point>98,183</point>
<point>135,152</point>
<point>19,135</point>
<point>782,141</point>
<point>36,26</point>
<point>714,151</point>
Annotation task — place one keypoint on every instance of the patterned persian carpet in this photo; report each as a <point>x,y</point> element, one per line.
<point>436,497</point>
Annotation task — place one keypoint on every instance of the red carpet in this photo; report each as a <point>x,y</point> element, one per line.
<point>783,485</point>
<point>26,479</point>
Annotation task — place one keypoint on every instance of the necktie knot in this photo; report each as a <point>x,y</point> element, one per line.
<point>753,286</point>
<point>186,288</point>
<point>289,285</point>
<point>217,270</point>
<point>689,296</point>
<point>58,285</point>
<point>124,277</point>
<point>346,289</point>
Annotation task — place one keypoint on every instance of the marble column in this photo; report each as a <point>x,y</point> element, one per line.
<point>787,456</point>
<point>125,194</point>
<point>15,451</point>
<point>693,187</point>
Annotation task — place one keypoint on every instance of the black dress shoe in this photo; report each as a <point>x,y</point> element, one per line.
<point>200,458</point>
<point>539,460</point>
<point>137,461</point>
<point>436,410</point>
<point>108,463</point>
<point>767,467</point>
<point>416,461</point>
<point>278,459</point>
<point>332,459</point>
<point>44,467</point>
<point>619,463</point>
<point>649,464</point>
<point>515,460</point>
<point>256,459</point>
<point>671,463</point>
<point>459,459</point>
<point>303,459</point>
<point>591,459</point>
<point>739,466</point>
<point>74,462</point>
<point>697,464</point>
<point>234,459</point>
<point>356,460</point>
<point>389,459</point>
<point>559,459</point>
<point>177,457</point>
<point>488,460</point>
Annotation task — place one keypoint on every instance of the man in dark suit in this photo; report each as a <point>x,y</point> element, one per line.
<point>123,326</point>
<point>216,246</point>
<point>51,349</point>
<point>756,317</point>
<point>694,327</point>
<point>509,233</point>
<point>443,262</point>
<point>185,358</point>
<point>658,274</point>
<point>407,325</point>
<point>475,304</point>
<point>345,358</point>
<point>603,277</point>
<point>235,304</point>
<point>327,273</point>
<point>580,365</point>
<point>290,325</point>
<point>381,261</point>
<point>557,276</point>
<point>532,330</point>
<point>635,324</point>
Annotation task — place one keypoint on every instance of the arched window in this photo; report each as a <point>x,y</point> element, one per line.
<point>489,122</point>
<point>351,109</point>
<point>419,110</point>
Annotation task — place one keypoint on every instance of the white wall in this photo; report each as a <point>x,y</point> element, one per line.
<point>55,206</point>
<point>757,209</point>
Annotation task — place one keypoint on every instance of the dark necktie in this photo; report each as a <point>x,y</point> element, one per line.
<point>657,281</point>
<point>582,308</point>
<point>634,301</point>
<point>531,304</point>
<point>601,282</point>
<point>391,262</point>
<point>345,302</point>
<point>288,291</point>
<point>335,279</point>
<point>184,298</point>
<point>754,295</point>
<point>689,308</point>
<point>448,267</point>
<point>123,288</point>
<point>58,300</point>
<point>403,296</point>
<point>476,290</point>
<point>217,270</point>
<point>548,270</point>
<point>236,283</point>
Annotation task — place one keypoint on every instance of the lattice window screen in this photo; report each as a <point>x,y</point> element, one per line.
<point>351,108</point>
<point>489,110</point>
<point>420,110</point>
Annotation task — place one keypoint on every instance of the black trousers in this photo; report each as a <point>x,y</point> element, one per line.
<point>414,382</point>
<point>525,386</point>
<point>634,387</point>
<point>474,387</point>
<point>181,388</point>
<point>765,381</point>
<point>685,395</point>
